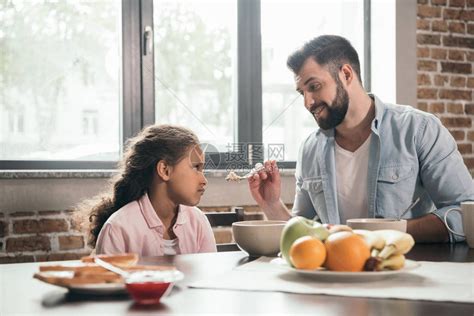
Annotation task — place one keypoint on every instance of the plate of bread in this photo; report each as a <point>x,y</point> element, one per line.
<point>87,277</point>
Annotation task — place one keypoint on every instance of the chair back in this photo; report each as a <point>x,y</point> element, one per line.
<point>217,219</point>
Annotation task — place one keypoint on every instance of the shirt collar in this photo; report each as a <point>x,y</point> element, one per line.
<point>327,132</point>
<point>379,111</point>
<point>182,215</point>
<point>152,218</point>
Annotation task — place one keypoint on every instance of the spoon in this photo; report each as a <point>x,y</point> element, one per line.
<point>232,176</point>
<point>409,208</point>
<point>124,274</point>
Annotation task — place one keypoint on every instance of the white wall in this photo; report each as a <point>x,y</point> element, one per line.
<point>18,195</point>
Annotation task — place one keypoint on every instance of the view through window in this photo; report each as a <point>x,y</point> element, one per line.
<point>195,67</point>
<point>60,80</point>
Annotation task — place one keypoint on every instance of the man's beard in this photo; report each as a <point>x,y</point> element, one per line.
<point>336,112</point>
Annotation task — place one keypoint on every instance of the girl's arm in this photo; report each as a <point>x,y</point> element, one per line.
<point>110,241</point>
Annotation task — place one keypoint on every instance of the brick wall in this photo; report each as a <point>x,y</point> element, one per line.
<point>41,236</point>
<point>62,235</point>
<point>445,51</point>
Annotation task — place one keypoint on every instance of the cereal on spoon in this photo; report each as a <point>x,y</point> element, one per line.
<point>232,176</point>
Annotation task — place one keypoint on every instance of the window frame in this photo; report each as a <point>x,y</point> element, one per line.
<point>138,99</point>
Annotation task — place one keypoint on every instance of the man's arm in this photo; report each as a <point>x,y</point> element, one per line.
<point>278,211</point>
<point>446,178</point>
<point>265,188</point>
<point>428,228</point>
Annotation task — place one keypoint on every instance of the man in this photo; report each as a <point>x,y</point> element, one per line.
<point>368,158</point>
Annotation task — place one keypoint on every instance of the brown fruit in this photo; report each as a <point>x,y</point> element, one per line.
<point>346,251</point>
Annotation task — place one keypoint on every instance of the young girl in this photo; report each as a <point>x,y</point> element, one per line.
<point>152,208</point>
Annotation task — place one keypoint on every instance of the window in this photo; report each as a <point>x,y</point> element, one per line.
<point>102,70</point>
<point>195,66</point>
<point>60,78</point>
<point>285,120</point>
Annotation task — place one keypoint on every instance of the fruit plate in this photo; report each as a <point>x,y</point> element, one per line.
<point>364,276</point>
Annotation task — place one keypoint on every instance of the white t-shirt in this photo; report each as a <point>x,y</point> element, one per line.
<point>351,181</point>
<point>171,246</point>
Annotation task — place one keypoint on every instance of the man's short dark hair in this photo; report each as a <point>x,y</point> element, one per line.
<point>327,50</point>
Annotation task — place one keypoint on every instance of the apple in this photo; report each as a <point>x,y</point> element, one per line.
<point>297,227</point>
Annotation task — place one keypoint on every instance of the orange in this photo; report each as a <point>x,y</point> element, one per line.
<point>307,253</point>
<point>346,251</point>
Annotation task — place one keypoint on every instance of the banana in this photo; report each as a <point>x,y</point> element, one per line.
<point>375,252</point>
<point>396,242</point>
<point>395,262</point>
<point>375,241</point>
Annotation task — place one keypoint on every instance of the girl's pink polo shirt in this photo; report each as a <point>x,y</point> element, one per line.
<point>136,228</point>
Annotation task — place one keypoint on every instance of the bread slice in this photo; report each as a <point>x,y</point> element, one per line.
<point>68,278</point>
<point>87,272</point>
<point>120,260</point>
<point>75,267</point>
<point>92,268</point>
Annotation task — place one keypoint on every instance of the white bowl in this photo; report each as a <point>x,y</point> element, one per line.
<point>258,238</point>
<point>377,224</point>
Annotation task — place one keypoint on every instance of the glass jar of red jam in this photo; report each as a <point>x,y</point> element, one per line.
<point>147,287</point>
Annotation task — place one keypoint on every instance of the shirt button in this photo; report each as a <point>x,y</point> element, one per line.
<point>395,177</point>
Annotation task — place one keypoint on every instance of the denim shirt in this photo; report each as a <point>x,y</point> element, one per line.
<point>411,155</point>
